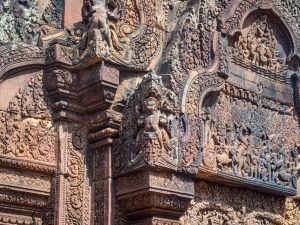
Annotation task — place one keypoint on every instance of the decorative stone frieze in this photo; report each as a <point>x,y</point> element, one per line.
<point>144,112</point>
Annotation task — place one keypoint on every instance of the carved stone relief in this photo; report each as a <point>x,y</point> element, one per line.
<point>113,28</point>
<point>77,182</point>
<point>216,204</point>
<point>26,127</point>
<point>258,47</point>
<point>139,102</point>
<point>245,134</point>
<point>24,20</point>
<point>148,132</point>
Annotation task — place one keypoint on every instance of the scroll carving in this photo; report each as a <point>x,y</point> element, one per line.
<point>215,204</point>
<point>197,42</point>
<point>77,191</point>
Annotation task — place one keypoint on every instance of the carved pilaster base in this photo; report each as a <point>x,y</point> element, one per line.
<point>149,194</point>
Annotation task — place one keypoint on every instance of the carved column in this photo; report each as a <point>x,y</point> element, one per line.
<point>296,89</point>
<point>102,180</point>
<point>72,190</point>
<point>97,88</point>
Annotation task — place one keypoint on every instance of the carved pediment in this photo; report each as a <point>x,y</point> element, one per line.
<point>26,129</point>
<point>260,47</point>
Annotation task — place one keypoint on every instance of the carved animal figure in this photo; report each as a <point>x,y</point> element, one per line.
<point>223,158</point>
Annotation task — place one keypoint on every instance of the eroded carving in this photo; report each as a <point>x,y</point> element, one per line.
<point>23,20</point>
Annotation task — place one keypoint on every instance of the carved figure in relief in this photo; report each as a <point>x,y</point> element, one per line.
<point>151,121</point>
<point>153,137</point>
<point>258,46</point>
<point>152,125</point>
<point>243,141</point>
<point>102,18</point>
<point>99,21</point>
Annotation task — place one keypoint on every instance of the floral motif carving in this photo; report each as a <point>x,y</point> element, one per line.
<point>197,33</point>
<point>77,191</point>
<point>11,56</point>
<point>216,204</point>
<point>34,181</point>
<point>18,220</point>
<point>26,128</point>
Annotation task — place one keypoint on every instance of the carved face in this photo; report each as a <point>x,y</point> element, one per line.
<point>151,105</point>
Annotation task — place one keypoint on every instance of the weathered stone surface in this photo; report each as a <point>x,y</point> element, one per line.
<point>144,112</point>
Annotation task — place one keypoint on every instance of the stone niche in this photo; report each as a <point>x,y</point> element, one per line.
<point>263,44</point>
<point>250,127</point>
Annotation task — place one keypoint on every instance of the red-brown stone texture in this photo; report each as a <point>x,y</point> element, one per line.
<point>144,112</point>
<point>72,12</point>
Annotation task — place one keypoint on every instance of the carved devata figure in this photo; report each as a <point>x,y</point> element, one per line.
<point>148,129</point>
<point>258,46</point>
<point>250,136</point>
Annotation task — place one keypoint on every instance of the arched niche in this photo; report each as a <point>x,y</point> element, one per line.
<point>262,41</point>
